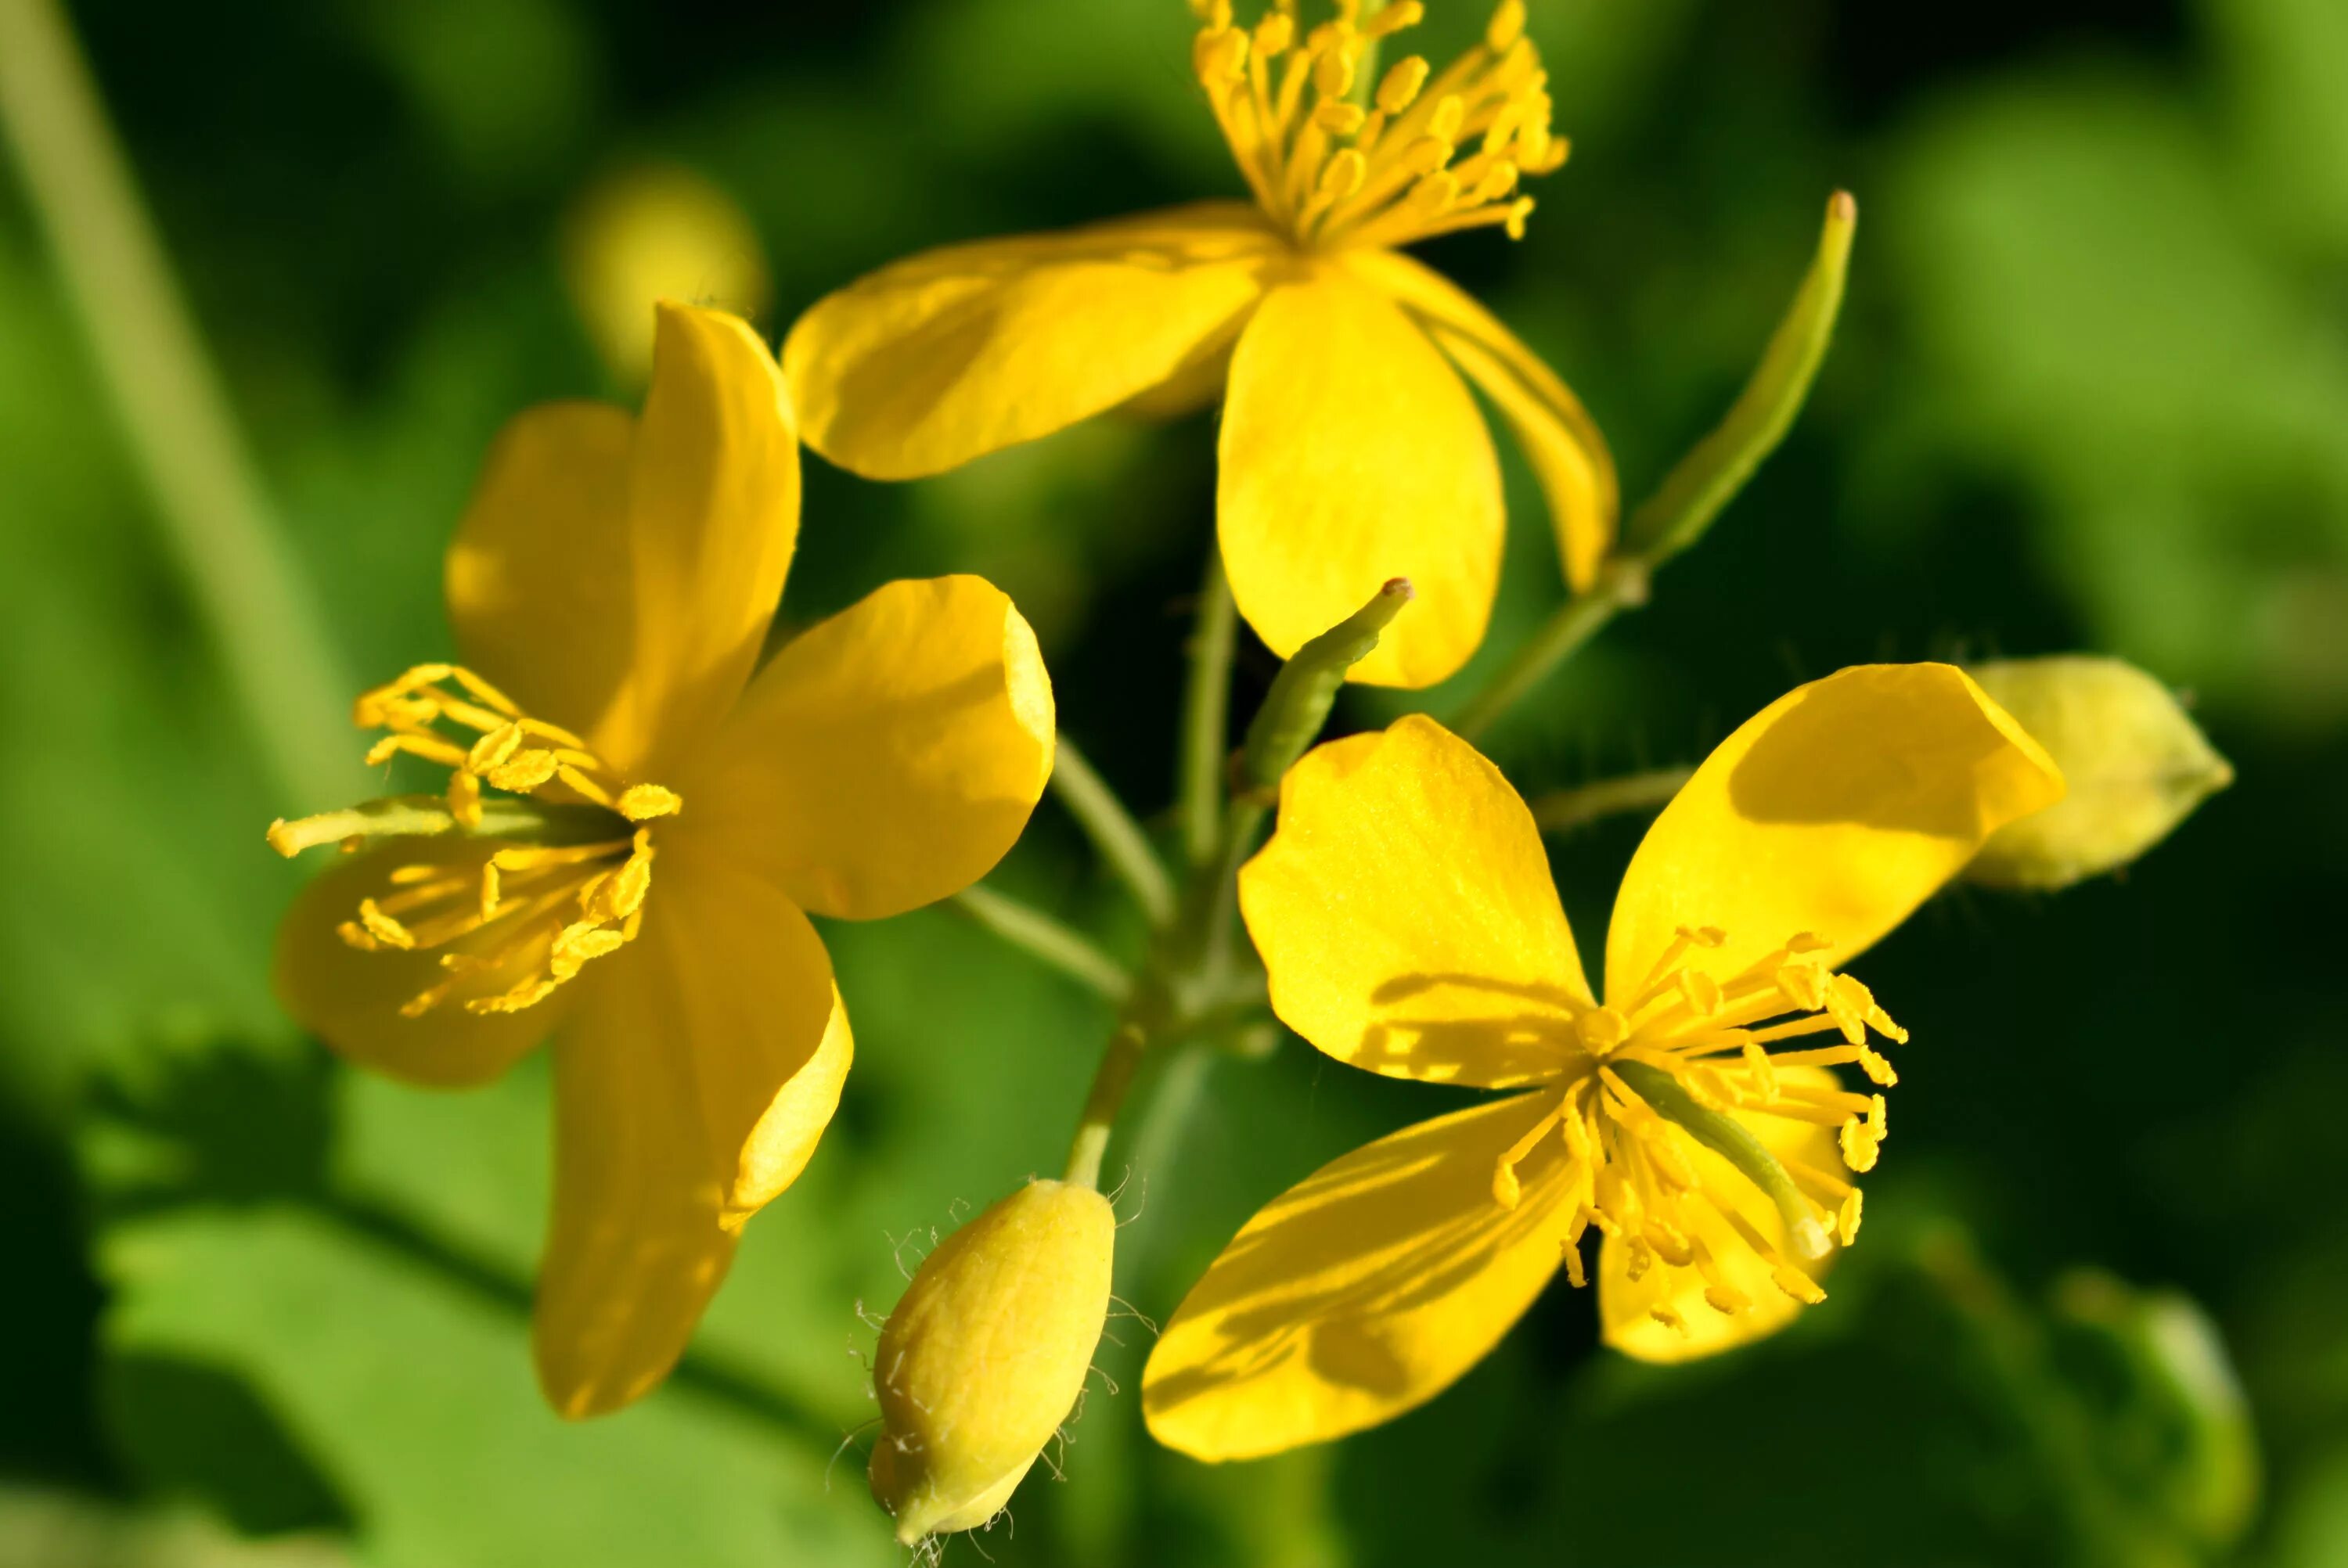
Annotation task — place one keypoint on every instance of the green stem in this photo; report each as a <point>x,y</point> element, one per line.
<point>1622,585</point>
<point>1563,810</point>
<point>282,671</point>
<point>1046,939</point>
<point>1113,831</point>
<point>1206,714</point>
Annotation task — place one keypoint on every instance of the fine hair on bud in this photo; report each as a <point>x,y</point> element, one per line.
<point>986,1354</point>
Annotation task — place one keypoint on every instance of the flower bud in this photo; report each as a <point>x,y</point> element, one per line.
<point>985,1354</point>
<point>2136,765</point>
<point>651,232</point>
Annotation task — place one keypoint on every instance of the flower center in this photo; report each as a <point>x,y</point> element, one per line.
<point>1335,172</point>
<point>1651,1079</point>
<point>574,863</point>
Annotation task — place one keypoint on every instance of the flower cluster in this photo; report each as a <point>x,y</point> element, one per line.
<point>639,797</point>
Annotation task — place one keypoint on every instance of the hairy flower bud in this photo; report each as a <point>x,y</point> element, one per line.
<point>985,1354</point>
<point>2136,766</point>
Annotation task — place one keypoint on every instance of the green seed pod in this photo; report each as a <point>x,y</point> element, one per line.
<point>2136,766</point>
<point>985,1354</point>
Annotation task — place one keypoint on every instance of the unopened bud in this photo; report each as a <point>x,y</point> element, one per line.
<point>986,1355</point>
<point>2136,764</point>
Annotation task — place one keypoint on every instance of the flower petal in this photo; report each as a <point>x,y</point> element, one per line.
<point>690,1087</point>
<point>1559,439</point>
<point>1835,810</point>
<point>537,577</point>
<point>1406,913</point>
<point>960,352</point>
<point>1626,1307</point>
<point>350,1000</point>
<point>1351,454</point>
<point>1362,1292</point>
<point>712,517</point>
<point>617,575</point>
<point>886,757</point>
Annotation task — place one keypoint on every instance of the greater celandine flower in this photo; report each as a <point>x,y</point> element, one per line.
<point>635,828</point>
<point>1351,450</point>
<point>1409,927</point>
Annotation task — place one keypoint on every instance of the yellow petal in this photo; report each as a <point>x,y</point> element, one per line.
<point>712,517</point>
<point>1352,454</point>
<point>888,756</point>
<point>960,352</point>
<point>692,1084</point>
<point>1836,811</point>
<point>1559,439</point>
<point>537,578</point>
<point>1365,1290</point>
<point>617,575</point>
<point>1406,913</point>
<point>350,1000</point>
<point>1626,1307</point>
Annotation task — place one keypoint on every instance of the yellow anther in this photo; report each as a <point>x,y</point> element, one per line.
<point>1344,175</point>
<point>1450,114</point>
<point>1273,35</point>
<point>465,798</point>
<point>1805,984</point>
<point>1846,1217</point>
<point>644,801</point>
<point>1496,182</point>
<point>1602,1029</point>
<point>1434,194</point>
<point>1669,1244</point>
<point>526,772</point>
<point>1219,55</point>
<point>1402,83</point>
<point>1764,1075</point>
<point>1806,942</point>
<point>354,934</point>
<point>1726,1300</point>
<point>1861,1146</point>
<point>1878,1067</point>
<point>382,926</point>
<point>1518,213</point>
<point>1397,16</point>
<point>1506,26</point>
<point>1664,1315</point>
<point>1574,1275</point>
<point>495,748</point>
<point>1701,991</point>
<point>1339,117</point>
<point>491,879</point>
<point>1797,1284</point>
<point>1333,73</point>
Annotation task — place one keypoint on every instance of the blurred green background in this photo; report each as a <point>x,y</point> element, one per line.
<point>2091,393</point>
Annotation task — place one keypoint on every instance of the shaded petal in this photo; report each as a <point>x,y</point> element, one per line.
<point>956,352</point>
<point>1626,1307</point>
<point>1558,438</point>
<point>888,756</point>
<point>690,1087</point>
<point>712,517</point>
<point>1362,1292</point>
<point>1406,913</point>
<point>350,1000</point>
<point>1351,454</point>
<point>1835,810</point>
<point>537,577</point>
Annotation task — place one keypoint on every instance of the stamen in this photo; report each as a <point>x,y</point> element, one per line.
<point>1406,134</point>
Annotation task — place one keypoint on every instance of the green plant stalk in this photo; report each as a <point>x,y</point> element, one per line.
<point>1206,713</point>
<point>1113,831</point>
<point>1185,975</point>
<point>1701,484</point>
<point>1046,939</point>
<point>1564,810</point>
<point>281,668</point>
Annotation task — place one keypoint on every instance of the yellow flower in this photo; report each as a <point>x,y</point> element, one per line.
<point>1406,918</point>
<point>1351,450</point>
<point>634,827</point>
